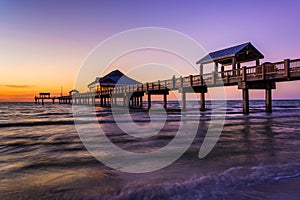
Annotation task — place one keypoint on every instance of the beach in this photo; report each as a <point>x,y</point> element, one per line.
<point>256,157</point>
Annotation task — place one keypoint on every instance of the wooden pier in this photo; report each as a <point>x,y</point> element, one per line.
<point>44,96</point>
<point>259,77</point>
<point>245,78</point>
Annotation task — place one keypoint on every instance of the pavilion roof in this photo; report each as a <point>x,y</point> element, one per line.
<point>243,53</point>
<point>114,78</point>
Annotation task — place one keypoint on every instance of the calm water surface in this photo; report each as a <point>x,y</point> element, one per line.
<point>257,156</point>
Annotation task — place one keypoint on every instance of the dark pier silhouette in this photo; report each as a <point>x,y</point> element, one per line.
<point>106,90</point>
<point>43,96</point>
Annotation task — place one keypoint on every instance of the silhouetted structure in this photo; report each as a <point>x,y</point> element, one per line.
<point>43,96</point>
<point>234,56</point>
<point>107,83</point>
<point>260,76</point>
<point>111,80</point>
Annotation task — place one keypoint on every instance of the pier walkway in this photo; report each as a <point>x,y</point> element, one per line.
<point>258,77</point>
<point>263,77</point>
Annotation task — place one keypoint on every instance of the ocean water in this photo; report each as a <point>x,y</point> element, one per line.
<point>256,157</point>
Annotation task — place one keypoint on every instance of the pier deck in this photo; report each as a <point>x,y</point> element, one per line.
<point>255,77</point>
<point>245,78</point>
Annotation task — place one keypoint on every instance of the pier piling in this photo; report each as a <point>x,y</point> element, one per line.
<point>268,100</point>
<point>183,101</point>
<point>202,101</point>
<point>149,101</point>
<point>245,101</point>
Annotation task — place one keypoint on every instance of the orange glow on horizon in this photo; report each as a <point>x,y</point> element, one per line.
<point>14,93</point>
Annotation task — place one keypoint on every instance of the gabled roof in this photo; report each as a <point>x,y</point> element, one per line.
<point>112,79</point>
<point>116,77</point>
<point>94,83</point>
<point>73,91</point>
<point>243,53</point>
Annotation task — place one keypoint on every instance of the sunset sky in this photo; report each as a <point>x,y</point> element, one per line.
<point>44,43</point>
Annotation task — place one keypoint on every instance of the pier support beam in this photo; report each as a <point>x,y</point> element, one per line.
<point>165,101</point>
<point>141,101</point>
<point>245,101</point>
<point>183,101</point>
<point>202,101</point>
<point>124,101</point>
<point>260,85</point>
<point>268,100</point>
<point>149,101</point>
<point>194,89</point>
<point>137,99</point>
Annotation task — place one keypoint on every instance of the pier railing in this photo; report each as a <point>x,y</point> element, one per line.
<point>279,71</point>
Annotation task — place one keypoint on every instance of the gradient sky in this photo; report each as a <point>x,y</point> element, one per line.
<point>44,43</point>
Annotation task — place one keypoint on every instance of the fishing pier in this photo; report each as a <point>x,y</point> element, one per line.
<point>105,91</point>
<point>44,96</point>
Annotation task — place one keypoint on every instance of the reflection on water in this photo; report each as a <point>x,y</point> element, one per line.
<point>42,157</point>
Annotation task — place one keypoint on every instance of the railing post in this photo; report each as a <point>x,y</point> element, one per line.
<point>181,81</point>
<point>238,69</point>
<point>201,69</point>
<point>222,71</point>
<point>191,80</point>
<point>234,66</point>
<point>257,62</point>
<point>173,81</point>
<point>287,68</point>
<point>158,84</point>
<point>263,71</point>
<point>147,86</point>
<point>213,77</point>
<point>244,77</point>
<point>227,77</point>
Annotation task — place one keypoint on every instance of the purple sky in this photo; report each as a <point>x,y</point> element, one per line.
<point>61,33</point>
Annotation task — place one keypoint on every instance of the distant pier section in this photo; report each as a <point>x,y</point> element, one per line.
<point>46,96</point>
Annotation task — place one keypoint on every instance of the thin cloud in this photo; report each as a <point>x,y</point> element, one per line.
<point>17,86</point>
